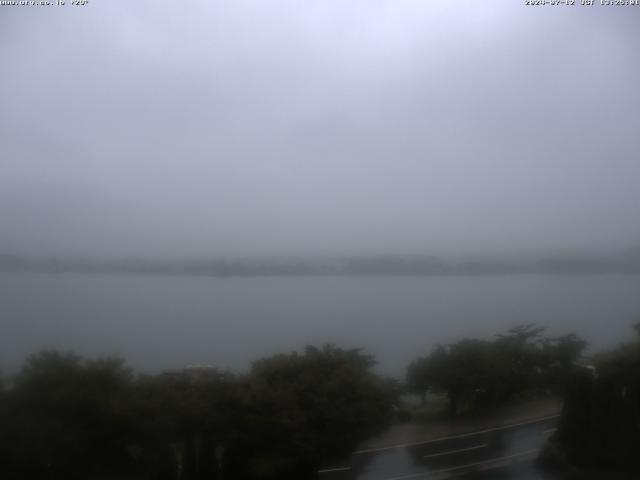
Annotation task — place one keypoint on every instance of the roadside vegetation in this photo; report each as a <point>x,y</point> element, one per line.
<point>600,422</point>
<point>65,417</point>
<point>474,376</point>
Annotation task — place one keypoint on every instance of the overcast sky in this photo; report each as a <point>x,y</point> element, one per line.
<point>193,128</point>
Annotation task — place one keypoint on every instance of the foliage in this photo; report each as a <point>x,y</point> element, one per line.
<point>475,374</point>
<point>600,423</point>
<point>65,417</point>
<point>310,408</point>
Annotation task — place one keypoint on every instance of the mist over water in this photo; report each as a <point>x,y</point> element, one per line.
<point>236,129</point>
<point>192,192</point>
<point>159,323</point>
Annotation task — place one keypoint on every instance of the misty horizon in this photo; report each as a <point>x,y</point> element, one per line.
<point>327,129</point>
<point>440,199</point>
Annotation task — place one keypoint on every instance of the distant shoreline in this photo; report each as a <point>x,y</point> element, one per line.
<point>371,266</point>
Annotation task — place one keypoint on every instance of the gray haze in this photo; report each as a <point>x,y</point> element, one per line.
<point>158,322</point>
<point>318,127</point>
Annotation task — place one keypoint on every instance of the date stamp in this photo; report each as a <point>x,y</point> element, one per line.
<point>583,3</point>
<point>43,3</point>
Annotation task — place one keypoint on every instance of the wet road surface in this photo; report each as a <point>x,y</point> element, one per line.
<point>505,452</point>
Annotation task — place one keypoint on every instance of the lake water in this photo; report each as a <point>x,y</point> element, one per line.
<point>160,322</point>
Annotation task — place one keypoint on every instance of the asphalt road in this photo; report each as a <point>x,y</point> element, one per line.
<point>505,453</point>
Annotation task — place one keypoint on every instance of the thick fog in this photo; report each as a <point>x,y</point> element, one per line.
<point>172,129</point>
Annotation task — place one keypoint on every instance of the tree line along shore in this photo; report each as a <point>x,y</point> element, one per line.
<point>67,417</point>
<point>374,265</point>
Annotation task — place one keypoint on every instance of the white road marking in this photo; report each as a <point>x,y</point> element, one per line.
<point>453,437</point>
<point>551,430</point>
<point>451,452</point>
<point>462,467</point>
<point>336,469</point>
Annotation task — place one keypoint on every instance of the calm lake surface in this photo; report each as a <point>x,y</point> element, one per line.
<point>158,322</point>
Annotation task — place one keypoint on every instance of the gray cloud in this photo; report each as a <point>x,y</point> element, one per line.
<point>318,127</point>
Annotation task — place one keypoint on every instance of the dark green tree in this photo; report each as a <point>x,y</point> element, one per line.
<point>185,421</point>
<point>461,370</point>
<point>600,422</point>
<point>477,374</point>
<point>65,417</point>
<point>559,357</point>
<point>69,418</point>
<point>306,409</point>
